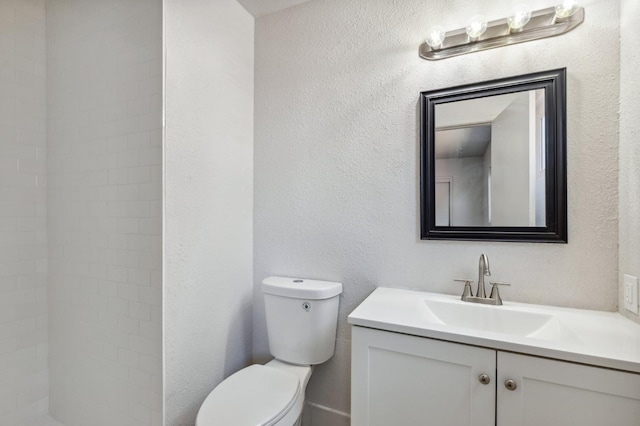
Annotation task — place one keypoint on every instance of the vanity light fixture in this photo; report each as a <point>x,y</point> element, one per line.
<point>566,9</point>
<point>435,37</point>
<point>476,27</point>
<point>523,25</point>
<point>520,18</point>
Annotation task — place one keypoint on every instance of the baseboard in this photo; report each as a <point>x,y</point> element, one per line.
<point>319,415</point>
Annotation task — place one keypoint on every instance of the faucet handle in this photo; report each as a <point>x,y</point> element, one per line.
<point>495,292</point>
<point>466,293</point>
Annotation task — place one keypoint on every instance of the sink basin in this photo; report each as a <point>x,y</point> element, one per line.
<point>496,319</point>
<point>605,339</point>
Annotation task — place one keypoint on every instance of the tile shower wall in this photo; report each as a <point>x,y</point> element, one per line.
<point>23,240</point>
<point>104,83</point>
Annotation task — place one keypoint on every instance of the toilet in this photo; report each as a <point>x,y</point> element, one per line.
<point>302,318</point>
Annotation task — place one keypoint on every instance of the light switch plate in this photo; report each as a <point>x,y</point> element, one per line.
<point>631,293</point>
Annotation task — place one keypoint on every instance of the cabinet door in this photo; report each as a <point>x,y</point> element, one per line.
<point>401,380</point>
<point>557,393</point>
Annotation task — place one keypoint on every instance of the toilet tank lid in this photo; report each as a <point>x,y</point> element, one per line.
<point>301,288</point>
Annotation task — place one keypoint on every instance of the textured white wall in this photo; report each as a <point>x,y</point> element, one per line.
<point>208,199</point>
<point>629,146</point>
<point>336,158</point>
<point>23,222</point>
<point>104,88</point>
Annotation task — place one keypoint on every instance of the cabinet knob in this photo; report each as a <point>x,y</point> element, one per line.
<point>510,384</point>
<point>484,379</point>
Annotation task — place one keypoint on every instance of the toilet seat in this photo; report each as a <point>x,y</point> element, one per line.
<point>254,396</point>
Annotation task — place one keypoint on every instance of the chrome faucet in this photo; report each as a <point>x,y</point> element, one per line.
<point>483,269</point>
<point>481,295</point>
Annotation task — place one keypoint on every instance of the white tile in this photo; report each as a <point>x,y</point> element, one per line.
<point>104,183</point>
<point>23,308</point>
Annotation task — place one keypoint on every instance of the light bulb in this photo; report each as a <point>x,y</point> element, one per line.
<point>476,27</point>
<point>435,37</point>
<point>520,18</point>
<point>567,8</point>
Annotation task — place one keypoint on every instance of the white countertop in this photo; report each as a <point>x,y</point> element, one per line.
<point>605,339</point>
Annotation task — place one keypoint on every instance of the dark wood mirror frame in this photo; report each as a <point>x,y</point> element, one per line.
<point>555,231</point>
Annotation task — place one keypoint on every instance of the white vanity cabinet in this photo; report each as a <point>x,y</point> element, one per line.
<point>558,393</point>
<point>405,380</point>
<point>398,380</point>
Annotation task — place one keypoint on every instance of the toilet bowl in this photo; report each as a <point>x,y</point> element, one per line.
<point>301,324</point>
<point>265,395</point>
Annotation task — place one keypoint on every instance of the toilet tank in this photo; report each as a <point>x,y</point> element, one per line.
<point>302,318</point>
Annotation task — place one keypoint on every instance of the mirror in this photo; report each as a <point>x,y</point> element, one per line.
<point>493,160</point>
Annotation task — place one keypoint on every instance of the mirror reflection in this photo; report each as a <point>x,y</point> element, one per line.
<point>490,161</point>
